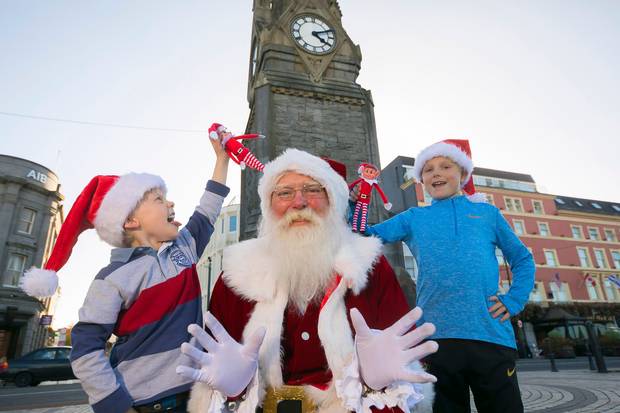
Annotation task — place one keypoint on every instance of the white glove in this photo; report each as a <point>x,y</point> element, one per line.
<point>384,355</point>
<point>228,367</point>
<point>387,206</point>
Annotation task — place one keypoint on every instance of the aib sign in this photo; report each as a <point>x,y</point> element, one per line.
<point>37,176</point>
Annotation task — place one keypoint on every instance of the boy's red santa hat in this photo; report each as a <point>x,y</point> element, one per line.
<point>459,151</point>
<point>104,204</point>
<point>327,173</point>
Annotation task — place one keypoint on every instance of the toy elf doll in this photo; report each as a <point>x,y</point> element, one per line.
<point>234,148</point>
<point>367,180</point>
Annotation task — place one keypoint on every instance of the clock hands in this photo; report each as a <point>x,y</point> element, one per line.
<point>317,33</point>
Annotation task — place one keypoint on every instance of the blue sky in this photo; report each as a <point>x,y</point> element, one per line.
<point>533,84</point>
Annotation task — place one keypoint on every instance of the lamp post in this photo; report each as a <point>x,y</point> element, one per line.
<point>208,280</point>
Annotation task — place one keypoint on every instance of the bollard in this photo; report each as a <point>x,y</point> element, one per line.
<point>591,361</point>
<point>554,368</point>
<point>596,348</point>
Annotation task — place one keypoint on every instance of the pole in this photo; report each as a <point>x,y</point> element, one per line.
<point>596,348</point>
<point>554,368</point>
<point>208,281</point>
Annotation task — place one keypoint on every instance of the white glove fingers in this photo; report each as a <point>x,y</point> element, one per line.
<point>199,356</point>
<point>251,347</point>
<point>418,335</point>
<point>405,323</point>
<point>417,377</point>
<point>420,351</point>
<point>190,373</point>
<point>359,324</point>
<point>217,329</point>
<point>205,340</point>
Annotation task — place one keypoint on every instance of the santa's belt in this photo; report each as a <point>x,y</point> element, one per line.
<point>288,399</point>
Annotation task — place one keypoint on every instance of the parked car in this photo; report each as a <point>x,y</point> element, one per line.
<point>47,363</point>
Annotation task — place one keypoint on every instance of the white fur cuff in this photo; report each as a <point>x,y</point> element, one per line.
<point>399,394</point>
<point>204,399</point>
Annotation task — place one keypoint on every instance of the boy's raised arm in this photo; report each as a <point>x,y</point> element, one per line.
<point>521,265</point>
<point>200,224</point>
<point>392,230</point>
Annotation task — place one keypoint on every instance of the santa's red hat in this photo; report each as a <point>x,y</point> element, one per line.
<point>214,129</point>
<point>104,204</point>
<point>459,151</point>
<point>339,167</point>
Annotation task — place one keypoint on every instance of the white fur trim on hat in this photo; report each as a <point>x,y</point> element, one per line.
<point>120,201</point>
<point>442,149</point>
<point>39,283</point>
<point>303,163</point>
<point>478,198</point>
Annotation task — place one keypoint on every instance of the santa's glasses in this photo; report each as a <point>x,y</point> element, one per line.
<point>312,191</point>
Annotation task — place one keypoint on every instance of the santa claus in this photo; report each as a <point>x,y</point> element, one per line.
<point>308,316</point>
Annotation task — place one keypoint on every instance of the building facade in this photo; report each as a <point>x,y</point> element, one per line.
<point>226,232</point>
<point>30,218</point>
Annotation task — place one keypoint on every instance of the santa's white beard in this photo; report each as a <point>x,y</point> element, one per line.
<point>304,255</point>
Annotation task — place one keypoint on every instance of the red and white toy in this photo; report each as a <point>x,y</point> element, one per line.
<point>234,148</point>
<point>367,181</point>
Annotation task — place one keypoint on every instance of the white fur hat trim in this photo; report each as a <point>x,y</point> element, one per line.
<point>442,149</point>
<point>120,201</point>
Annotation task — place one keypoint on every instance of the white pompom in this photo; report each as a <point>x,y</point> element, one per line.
<point>39,283</point>
<point>478,197</point>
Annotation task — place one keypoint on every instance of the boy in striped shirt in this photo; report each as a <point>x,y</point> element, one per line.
<point>147,295</point>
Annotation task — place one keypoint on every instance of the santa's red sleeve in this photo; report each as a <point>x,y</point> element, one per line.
<point>230,309</point>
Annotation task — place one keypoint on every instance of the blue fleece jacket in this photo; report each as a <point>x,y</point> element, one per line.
<point>453,242</point>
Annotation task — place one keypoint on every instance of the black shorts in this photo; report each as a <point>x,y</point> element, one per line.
<point>487,369</point>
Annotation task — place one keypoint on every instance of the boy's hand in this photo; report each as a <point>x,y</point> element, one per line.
<point>498,309</point>
<point>218,148</point>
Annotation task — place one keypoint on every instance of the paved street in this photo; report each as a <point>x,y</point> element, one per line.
<point>569,391</point>
<point>52,395</point>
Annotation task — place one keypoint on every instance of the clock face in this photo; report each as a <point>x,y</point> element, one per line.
<point>312,34</point>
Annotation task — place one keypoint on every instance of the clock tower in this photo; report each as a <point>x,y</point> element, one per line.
<point>303,94</point>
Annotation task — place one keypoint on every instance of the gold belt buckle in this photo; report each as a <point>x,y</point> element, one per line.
<point>286,392</point>
<point>363,196</point>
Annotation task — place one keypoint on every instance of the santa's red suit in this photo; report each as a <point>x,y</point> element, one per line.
<point>309,349</point>
<point>314,349</point>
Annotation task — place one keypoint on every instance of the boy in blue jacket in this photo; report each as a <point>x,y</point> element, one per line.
<point>454,242</point>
